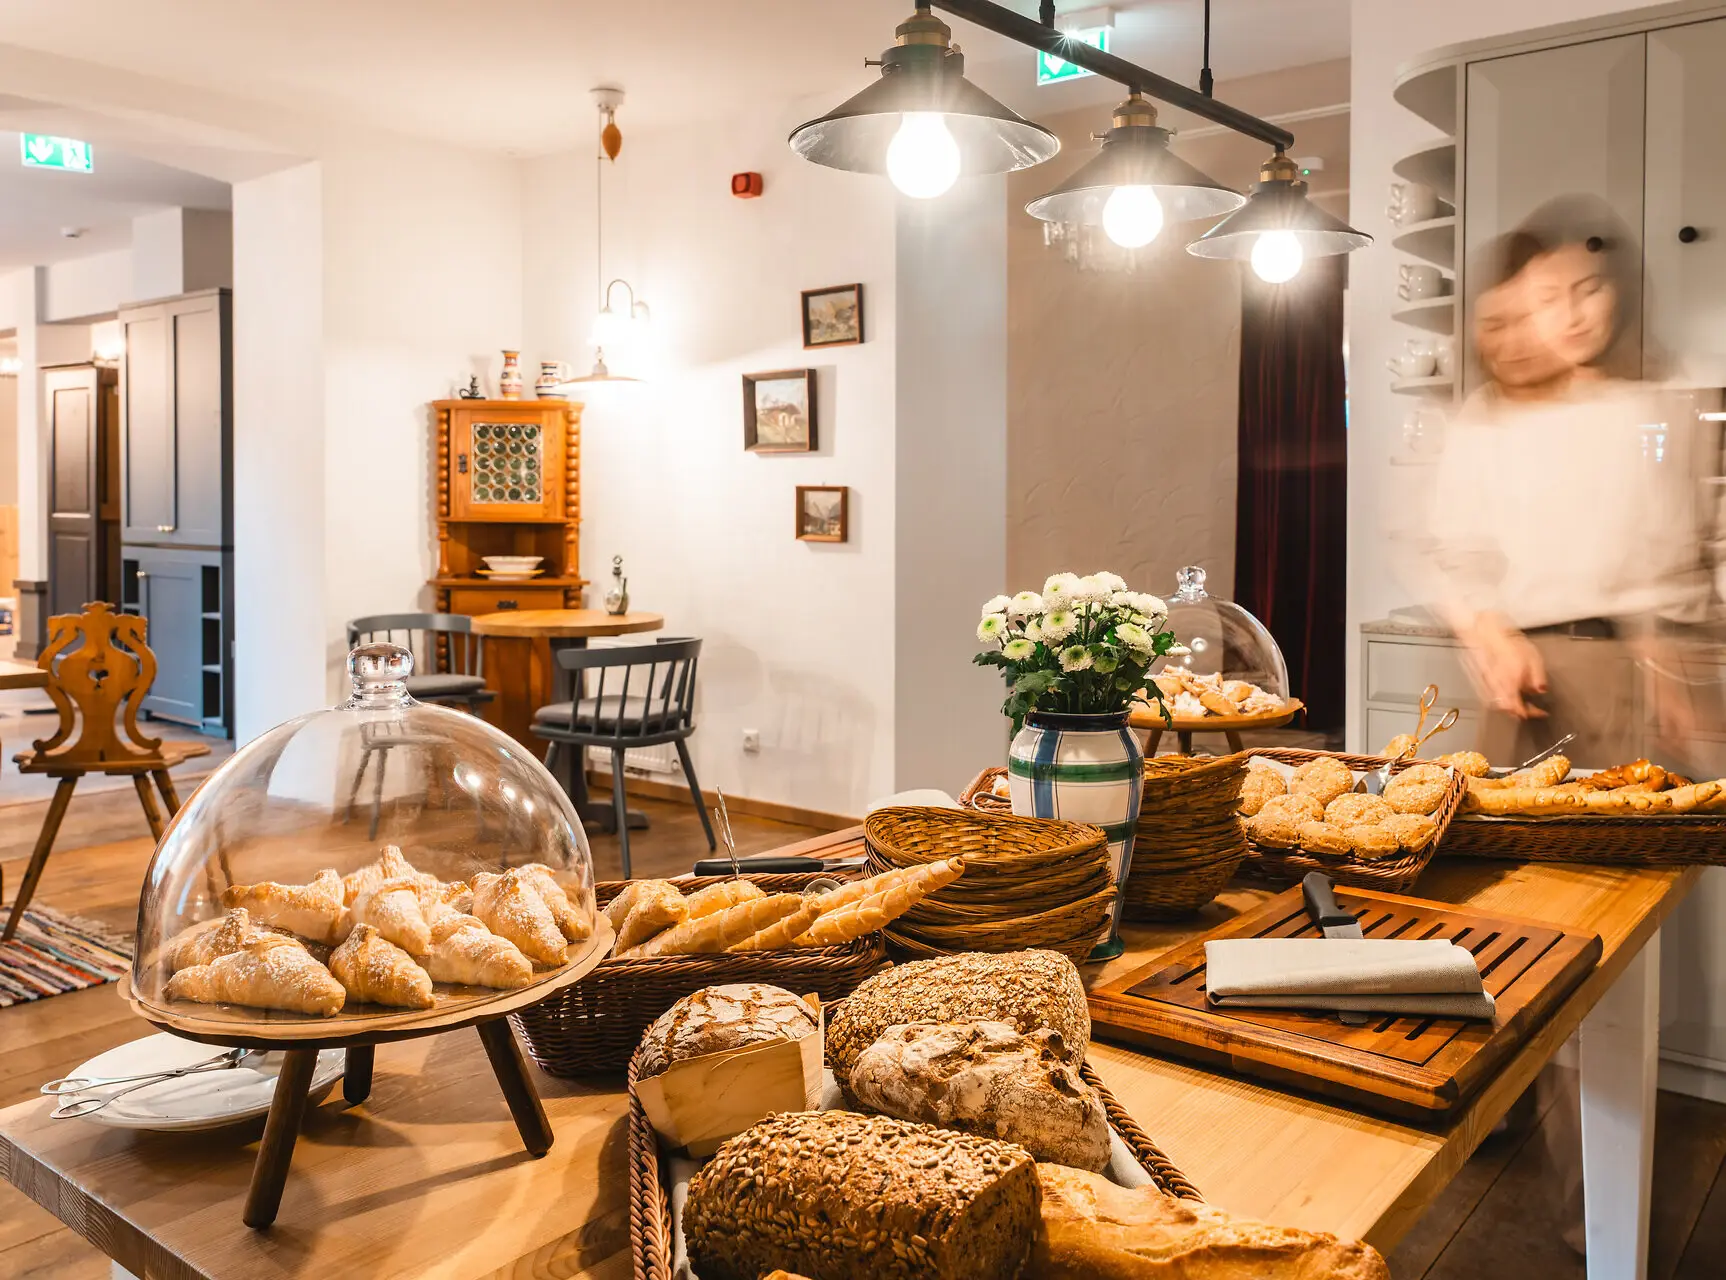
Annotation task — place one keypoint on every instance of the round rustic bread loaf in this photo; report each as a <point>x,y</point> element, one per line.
<point>715,1019</point>
<point>1029,989</point>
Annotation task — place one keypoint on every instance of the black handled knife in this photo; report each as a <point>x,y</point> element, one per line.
<point>1332,920</point>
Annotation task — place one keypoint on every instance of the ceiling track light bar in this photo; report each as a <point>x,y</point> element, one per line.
<point>1040,35</point>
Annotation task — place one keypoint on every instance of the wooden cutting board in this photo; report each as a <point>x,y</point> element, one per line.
<point>1408,1066</point>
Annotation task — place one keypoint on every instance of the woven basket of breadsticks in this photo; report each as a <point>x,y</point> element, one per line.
<point>1028,882</point>
<point>677,936</point>
<point>1635,814</point>
<point>1305,811</point>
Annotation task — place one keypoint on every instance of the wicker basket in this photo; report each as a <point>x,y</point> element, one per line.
<point>1286,866</point>
<point>1028,882</point>
<point>592,1028</point>
<point>980,795</point>
<point>650,1220</point>
<point>1609,841</point>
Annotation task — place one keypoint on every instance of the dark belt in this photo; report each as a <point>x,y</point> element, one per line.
<point>1581,629</point>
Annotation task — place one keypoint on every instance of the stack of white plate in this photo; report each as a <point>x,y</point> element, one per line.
<point>511,568</point>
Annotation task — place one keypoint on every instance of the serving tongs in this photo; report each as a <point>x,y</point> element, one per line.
<point>1534,759</point>
<point>1374,783</point>
<point>227,1060</point>
<point>770,864</point>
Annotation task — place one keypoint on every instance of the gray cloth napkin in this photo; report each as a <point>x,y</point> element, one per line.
<point>1345,974</point>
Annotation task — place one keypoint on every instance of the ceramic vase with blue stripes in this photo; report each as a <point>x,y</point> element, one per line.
<point>1083,768</point>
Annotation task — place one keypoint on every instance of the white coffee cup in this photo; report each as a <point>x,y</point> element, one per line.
<point>1444,359</point>
<point>1420,281</point>
<point>1412,202</point>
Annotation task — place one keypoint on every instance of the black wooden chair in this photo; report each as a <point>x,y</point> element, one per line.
<point>449,664</point>
<point>640,696</point>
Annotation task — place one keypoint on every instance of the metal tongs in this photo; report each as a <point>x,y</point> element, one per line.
<point>1534,759</point>
<point>68,1085</point>
<point>1374,783</point>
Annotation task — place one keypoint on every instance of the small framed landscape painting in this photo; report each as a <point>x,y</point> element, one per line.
<point>833,317</point>
<point>779,411</point>
<point>822,514</point>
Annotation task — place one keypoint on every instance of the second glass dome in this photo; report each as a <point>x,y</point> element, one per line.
<point>377,858</point>
<point>1228,651</point>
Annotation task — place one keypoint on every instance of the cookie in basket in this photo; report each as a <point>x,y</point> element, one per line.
<point>1419,788</point>
<point>1323,779</point>
<point>1260,785</point>
<point>1413,831</point>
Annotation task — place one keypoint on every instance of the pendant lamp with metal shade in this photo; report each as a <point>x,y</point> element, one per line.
<point>1135,183</point>
<point>923,123</point>
<point>1278,228</point>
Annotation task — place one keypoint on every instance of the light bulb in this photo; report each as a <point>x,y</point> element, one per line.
<point>1277,256</point>
<point>1132,216</point>
<point>923,159</point>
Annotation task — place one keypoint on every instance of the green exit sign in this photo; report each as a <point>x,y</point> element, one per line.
<point>1052,69</point>
<point>44,152</point>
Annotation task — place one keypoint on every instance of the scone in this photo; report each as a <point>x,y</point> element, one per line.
<point>1260,785</point>
<point>1372,841</point>
<point>1323,779</point>
<point>1357,809</point>
<point>1419,788</point>
<point>1413,831</point>
<point>1296,808</point>
<point>1322,837</point>
<point>1470,763</point>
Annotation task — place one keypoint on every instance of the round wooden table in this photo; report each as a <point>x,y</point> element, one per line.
<point>570,629</point>
<point>1150,722</point>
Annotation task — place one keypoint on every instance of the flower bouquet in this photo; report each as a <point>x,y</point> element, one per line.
<point>1074,659</point>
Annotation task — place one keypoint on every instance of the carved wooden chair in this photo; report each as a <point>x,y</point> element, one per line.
<point>99,670</point>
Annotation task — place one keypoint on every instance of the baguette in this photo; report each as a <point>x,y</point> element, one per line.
<point>778,936</point>
<point>1529,801</point>
<point>857,890</point>
<point>717,897</point>
<point>855,919</point>
<point>719,930</point>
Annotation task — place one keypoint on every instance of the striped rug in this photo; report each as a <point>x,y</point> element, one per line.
<point>53,953</point>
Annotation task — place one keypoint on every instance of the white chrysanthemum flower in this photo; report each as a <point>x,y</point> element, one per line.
<point>1034,630</point>
<point>1076,658</point>
<point>1088,589</point>
<point>1105,660</point>
<point>1019,650</point>
<point>1024,605</point>
<point>993,627</point>
<point>995,604</point>
<point>1134,637</point>
<point>1058,590</point>
<point>1179,651</point>
<point>1123,599</point>
<point>1151,606</point>
<point>1111,581</point>
<point>1057,626</point>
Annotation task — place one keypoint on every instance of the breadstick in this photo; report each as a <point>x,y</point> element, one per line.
<point>879,909</point>
<point>719,930</point>
<point>777,937</point>
<point>1533,801</point>
<point>717,897</point>
<point>857,890</point>
<point>655,906</point>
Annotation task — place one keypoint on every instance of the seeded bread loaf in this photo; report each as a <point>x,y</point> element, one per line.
<point>851,1197</point>
<point>715,1019</point>
<point>1028,989</point>
<point>986,1078</point>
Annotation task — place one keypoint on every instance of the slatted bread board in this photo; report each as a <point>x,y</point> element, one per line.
<point>1407,1066</point>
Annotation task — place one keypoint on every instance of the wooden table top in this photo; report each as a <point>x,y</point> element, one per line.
<point>428,1178</point>
<point>564,624</point>
<point>21,675</point>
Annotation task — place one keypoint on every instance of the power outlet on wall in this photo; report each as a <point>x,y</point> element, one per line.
<point>752,741</point>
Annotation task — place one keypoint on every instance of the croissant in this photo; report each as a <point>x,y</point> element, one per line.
<point>370,967</point>
<point>543,881</point>
<point>235,931</point>
<point>316,910</point>
<point>464,951</point>
<point>720,930</point>
<point>779,935</point>
<point>654,906</point>
<point>509,908</point>
<point>389,865</point>
<point>717,897</point>
<point>393,909</point>
<point>271,973</point>
<point>879,909</point>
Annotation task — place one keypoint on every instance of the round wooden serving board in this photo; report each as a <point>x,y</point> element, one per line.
<point>1146,717</point>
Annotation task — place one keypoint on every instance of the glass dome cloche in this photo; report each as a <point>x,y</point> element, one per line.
<point>1231,665</point>
<point>381,860</point>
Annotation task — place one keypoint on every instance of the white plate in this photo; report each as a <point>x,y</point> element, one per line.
<point>207,1100</point>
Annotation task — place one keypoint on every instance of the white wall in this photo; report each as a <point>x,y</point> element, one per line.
<point>79,288</point>
<point>799,641</point>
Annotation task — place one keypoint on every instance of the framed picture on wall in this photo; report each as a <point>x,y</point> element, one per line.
<point>833,317</point>
<point>779,411</point>
<point>822,513</point>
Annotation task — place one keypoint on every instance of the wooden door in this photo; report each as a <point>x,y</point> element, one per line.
<point>148,446</point>
<point>1551,123</point>
<point>76,554</point>
<point>198,391</point>
<point>1684,325</point>
<point>169,596</point>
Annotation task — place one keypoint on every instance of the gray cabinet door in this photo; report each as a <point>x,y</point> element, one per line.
<point>1554,122</point>
<point>1685,271</point>
<point>149,501</point>
<point>73,490</point>
<point>168,597</point>
<point>198,390</point>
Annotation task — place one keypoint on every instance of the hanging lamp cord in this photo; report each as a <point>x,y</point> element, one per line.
<point>1206,80</point>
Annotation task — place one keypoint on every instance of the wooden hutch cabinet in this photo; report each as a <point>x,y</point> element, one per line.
<point>509,484</point>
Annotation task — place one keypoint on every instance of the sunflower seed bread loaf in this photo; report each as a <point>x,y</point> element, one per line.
<point>1028,989</point>
<point>844,1196</point>
<point>987,1079</point>
<point>715,1019</point>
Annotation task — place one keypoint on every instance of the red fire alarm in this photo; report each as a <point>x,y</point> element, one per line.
<point>746,186</point>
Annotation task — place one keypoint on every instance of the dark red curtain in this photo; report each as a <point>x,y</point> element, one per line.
<point>1291,510</point>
